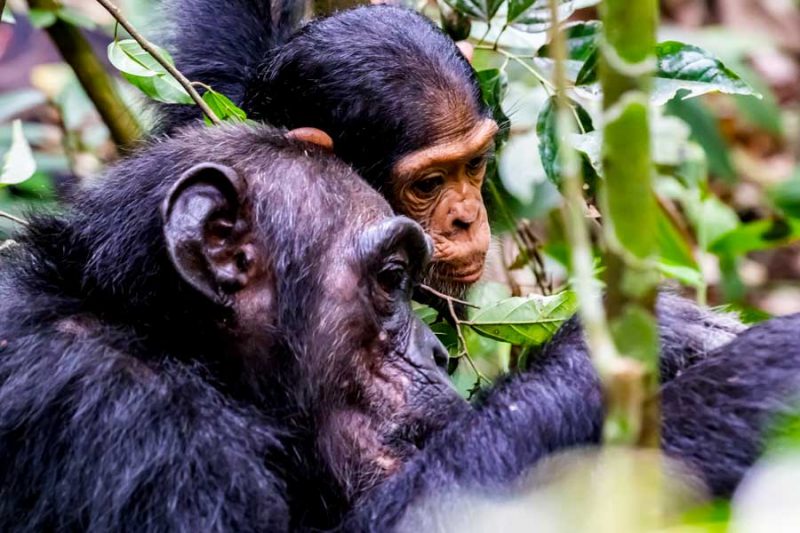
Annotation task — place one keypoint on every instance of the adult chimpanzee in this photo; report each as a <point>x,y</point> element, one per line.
<point>193,347</point>
<point>393,94</point>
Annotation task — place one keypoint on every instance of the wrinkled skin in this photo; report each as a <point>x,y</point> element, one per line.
<point>441,186</point>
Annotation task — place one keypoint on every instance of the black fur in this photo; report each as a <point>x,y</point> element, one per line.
<point>366,77</point>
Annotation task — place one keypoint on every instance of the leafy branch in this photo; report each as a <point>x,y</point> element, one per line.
<point>457,323</point>
<point>156,55</point>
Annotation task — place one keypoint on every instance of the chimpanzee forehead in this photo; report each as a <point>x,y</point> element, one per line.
<point>475,140</point>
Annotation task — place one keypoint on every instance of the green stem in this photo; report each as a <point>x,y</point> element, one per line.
<point>538,75</point>
<point>593,318</point>
<point>629,212</point>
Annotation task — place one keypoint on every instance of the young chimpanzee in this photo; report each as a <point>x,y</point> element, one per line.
<point>194,347</point>
<point>393,94</point>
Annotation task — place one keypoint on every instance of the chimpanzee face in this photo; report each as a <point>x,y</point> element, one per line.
<point>320,264</point>
<point>387,390</point>
<point>440,185</point>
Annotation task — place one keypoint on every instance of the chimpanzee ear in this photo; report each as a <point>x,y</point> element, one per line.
<point>313,136</point>
<point>206,232</point>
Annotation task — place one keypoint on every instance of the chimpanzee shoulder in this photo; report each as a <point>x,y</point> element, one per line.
<point>717,411</point>
<point>94,437</point>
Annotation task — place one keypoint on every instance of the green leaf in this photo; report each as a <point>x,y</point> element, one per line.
<point>223,107</point>
<point>160,88</point>
<point>494,83</point>
<point>582,40</point>
<point>682,69</point>
<point>676,260</point>
<point>129,57</point>
<point>783,433</point>
<point>550,140</point>
<point>533,16</point>
<point>588,72</point>
<point>758,235</point>
<point>42,18</point>
<point>746,313</point>
<point>692,71</point>
<point>425,313</point>
<point>18,163</point>
<point>527,321</point>
<point>75,17</point>
<point>144,72</point>
<point>483,10</point>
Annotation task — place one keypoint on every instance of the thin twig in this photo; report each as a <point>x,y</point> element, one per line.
<point>488,29</point>
<point>446,297</point>
<point>150,49</point>
<point>497,41</point>
<point>515,236</point>
<point>463,351</point>
<point>12,218</point>
<point>592,313</point>
<point>547,84</point>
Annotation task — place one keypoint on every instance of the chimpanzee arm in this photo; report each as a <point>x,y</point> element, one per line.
<point>93,438</point>
<point>689,333</point>
<point>715,412</point>
<point>555,404</point>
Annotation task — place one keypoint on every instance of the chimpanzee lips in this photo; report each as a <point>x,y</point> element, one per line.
<point>468,275</point>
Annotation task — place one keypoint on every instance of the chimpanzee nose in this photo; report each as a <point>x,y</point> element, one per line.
<point>427,345</point>
<point>440,355</point>
<point>464,214</point>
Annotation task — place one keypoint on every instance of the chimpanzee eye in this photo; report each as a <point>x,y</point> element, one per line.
<point>428,185</point>
<point>477,163</point>
<point>393,277</point>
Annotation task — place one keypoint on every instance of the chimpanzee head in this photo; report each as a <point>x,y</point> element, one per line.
<point>403,106</point>
<point>311,276</point>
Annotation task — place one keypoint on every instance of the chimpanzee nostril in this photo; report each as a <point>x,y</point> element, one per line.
<point>464,214</point>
